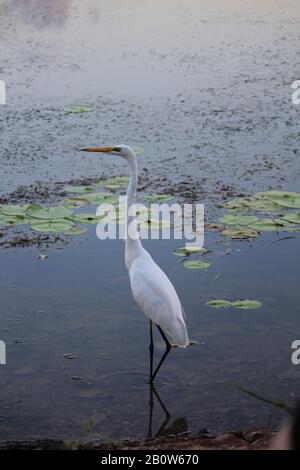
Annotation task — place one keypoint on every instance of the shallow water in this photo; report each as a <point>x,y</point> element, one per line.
<point>208,83</point>
<point>204,87</point>
<point>78,302</point>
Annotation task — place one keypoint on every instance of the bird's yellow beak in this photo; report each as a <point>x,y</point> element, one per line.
<point>100,149</point>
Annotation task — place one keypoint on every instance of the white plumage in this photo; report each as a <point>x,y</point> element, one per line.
<point>151,288</point>
<point>154,293</point>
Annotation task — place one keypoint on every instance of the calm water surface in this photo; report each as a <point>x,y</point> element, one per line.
<point>78,302</point>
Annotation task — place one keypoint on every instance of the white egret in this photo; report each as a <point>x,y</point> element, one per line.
<point>151,288</point>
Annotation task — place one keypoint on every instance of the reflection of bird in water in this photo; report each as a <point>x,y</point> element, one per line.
<point>178,426</point>
<point>151,288</point>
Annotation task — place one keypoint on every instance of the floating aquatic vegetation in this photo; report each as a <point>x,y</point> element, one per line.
<point>6,220</point>
<point>270,225</point>
<point>230,219</point>
<point>240,233</point>
<point>245,304</point>
<point>289,203</point>
<point>118,182</point>
<point>12,209</point>
<point>78,108</point>
<point>48,213</point>
<point>219,303</point>
<point>264,205</point>
<point>293,217</point>
<point>53,226</point>
<point>273,194</point>
<point>286,199</point>
<point>76,230</point>
<point>138,150</point>
<point>253,204</point>
<point>196,264</point>
<point>188,249</point>
<point>80,189</point>
<point>75,202</point>
<point>101,198</point>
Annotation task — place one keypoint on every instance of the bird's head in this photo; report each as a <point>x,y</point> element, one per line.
<point>122,150</point>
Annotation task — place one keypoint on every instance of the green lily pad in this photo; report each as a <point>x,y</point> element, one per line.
<point>101,198</point>
<point>118,182</point>
<point>53,226</point>
<point>79,108</point>
<point>85,218</point>
<point>238,203</point>
<point>158,198</point>
<point>138,150</point>
<point>75,202</point>
<point>80,189</point>
<point>7,221</point>
<point>48,213</point>
<point>240,233</point>
<point>269,225</point>
<point>264,205</point>
<point>188,249</point>
<point>219,303</point>
<point>293,217</point>
<point>276,194</point>
<point>196,264</point>
<point>238,219</point>
<point>247,304</point>
<point>76,230</point>
<point>289,202</point>
<point>11,209</point>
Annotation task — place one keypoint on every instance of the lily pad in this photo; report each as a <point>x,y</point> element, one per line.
<point>196,264</point>
<point>78,108</point>
<point>118,182</point>
<point>47,213</point>
<point>188,249</point>
<point>240,233</point>
<point>289,202</point>
<point>269,225</point>
<point>276,194</point>
<point>264,205</point>
<point>75,202</point>
<point>219,303</point>
<point>293,217</point>
<point>138,150</point>
<point>238,219</point>
<point>53,226</point>
<point>246,304</point>
<point>101,198</point>
<point>76,230</point>
<point>80,189</point>
<point>7,221</point>
<point>158,198</point>
<point>11,209</point>
<point>238,203</point>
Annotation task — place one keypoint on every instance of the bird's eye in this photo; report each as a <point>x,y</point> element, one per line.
<point>116,149</point>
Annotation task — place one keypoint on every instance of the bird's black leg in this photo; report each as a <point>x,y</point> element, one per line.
<point>151,349</point>
<point>168,347</point>
<point>151,406</point>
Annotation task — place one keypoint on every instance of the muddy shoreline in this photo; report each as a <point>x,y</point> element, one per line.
<point>254,439</point>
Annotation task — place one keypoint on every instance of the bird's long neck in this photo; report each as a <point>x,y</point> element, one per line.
<point>133,245</point>
<point>131,190</point>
